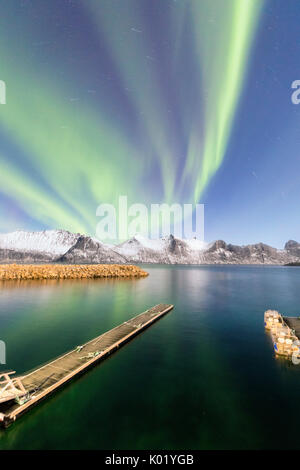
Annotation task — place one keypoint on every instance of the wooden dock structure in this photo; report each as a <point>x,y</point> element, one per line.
<point>285,334</point>
<point>294,324</point>
<point>44,380</point>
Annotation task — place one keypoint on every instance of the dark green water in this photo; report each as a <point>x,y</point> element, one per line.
<point>203,377</point>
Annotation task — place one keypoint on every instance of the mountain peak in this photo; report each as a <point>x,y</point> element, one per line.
<point>56,242</point>
<point>291,244</point>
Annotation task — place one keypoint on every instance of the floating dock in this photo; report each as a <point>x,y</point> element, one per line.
<point>294,324</point>
<point>28,390</point>
<point>285,333</point>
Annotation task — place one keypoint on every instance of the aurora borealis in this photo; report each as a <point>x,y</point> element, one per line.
<point>171,101</point>
<point>236,28</point>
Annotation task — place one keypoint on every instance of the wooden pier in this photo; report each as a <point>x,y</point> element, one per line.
<point>285,334</point>
<point>44,380</point>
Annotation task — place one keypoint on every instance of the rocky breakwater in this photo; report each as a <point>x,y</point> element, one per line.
<point>56,271</point>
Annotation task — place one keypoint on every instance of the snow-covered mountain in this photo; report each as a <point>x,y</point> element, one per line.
<point>53,242</point>
<point>90,250</point>
<point>220,252</point>
<point>63,246</point>
<point>55,246</point>
<point>172,250</point>
<point>168,250</point>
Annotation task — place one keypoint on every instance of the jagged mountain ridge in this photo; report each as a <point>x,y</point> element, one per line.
<point>64,246</point>
<point>169,250</point>
<point>51,242</point>
<point>176,251</point>
<point>55,246</point>
<point>89,250</point>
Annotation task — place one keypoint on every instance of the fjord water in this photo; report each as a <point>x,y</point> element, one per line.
<point>203,377</point>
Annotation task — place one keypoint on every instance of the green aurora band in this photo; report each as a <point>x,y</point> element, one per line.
<point>74,157</point>
<point>223,70</point>
<point>79,158</point>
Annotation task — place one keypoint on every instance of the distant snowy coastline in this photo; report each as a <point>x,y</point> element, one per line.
<point>64,246</point>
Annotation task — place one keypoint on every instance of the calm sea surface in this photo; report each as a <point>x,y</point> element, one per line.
<point>203,377</point>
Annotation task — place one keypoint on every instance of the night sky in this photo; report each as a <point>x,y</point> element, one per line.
<point>160,100</point>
